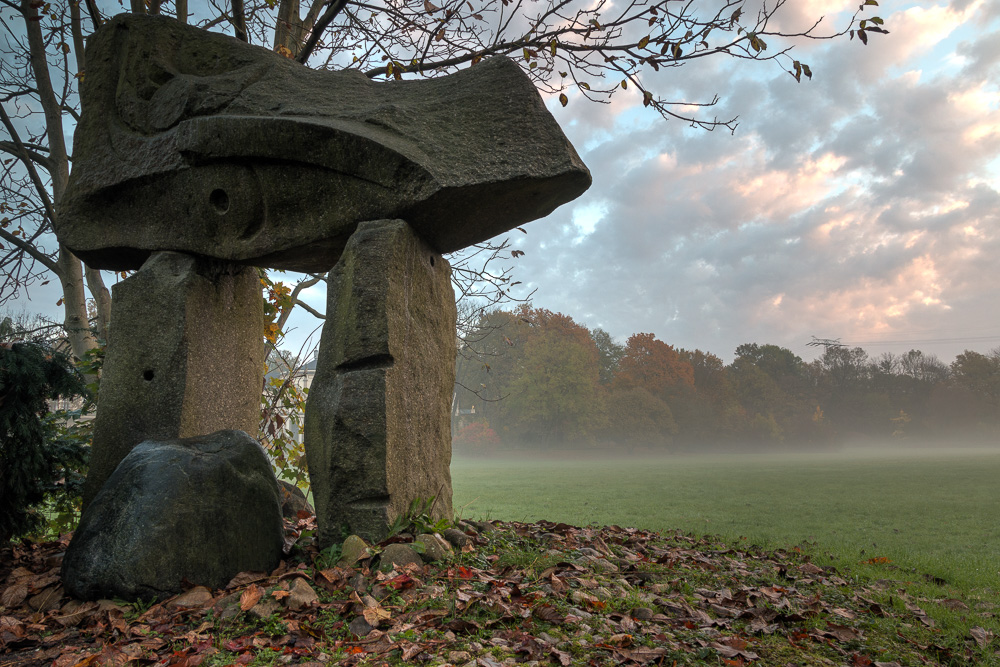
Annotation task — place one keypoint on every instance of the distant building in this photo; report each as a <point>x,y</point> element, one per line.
<point>302,378</point>
<point>460,416</point>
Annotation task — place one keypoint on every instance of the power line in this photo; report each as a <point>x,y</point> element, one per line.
<point>966,339</point>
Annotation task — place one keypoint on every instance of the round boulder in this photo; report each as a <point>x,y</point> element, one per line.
<point>199,509</point>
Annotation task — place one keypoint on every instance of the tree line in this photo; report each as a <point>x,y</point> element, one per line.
<point>530,377</point>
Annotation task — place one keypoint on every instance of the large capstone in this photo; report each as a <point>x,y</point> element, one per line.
<point>197,509</point>
<point>185,357</point>
<point>377,431</point>
<point>197,142</point>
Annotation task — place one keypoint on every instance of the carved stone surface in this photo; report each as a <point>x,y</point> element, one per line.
<point>377,432</point>
<point>196,142</point>
<point>202,509</point>
<point>185,357</point>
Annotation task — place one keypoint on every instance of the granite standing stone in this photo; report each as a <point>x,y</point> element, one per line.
<point>202,509</point>
<point>377,431</point>
<point>185,357</point>
<point>197,142</point>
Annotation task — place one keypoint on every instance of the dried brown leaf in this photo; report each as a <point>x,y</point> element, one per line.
<point>642,655</point>
<point>842,632</point>
<point>730,652</point>
<point>951,603</point>
<point>11,625</point>
<point>982,636</point>
<point>14,595</point>
<point>547,612</point>
<point>375,615</point>
<point>563,657</point>
<point>245,578</point>
<point>250,597</point>
<point>809,568</point>
<point>844,613</point>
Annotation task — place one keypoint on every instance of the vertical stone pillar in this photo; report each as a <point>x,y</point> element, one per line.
<point>377,432</point>
<point>185,357</point>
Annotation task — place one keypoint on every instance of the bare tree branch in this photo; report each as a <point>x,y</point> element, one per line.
<point>309,309</point>
<point>30,249</point>
<point>296,291</point>
<point>28,149</point>
<point>95,13</point>
<point>24,156</point>
<point>325,20</point>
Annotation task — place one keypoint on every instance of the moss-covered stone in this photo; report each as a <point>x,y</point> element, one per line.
<point>434,547</point>
<point>398,556</point>
<point>197,509</point>
<point>352,550</point>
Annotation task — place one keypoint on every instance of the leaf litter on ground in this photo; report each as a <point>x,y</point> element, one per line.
<point>536,594</point>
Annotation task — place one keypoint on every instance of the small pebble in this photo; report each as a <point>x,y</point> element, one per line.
<point>641,613</point>
<point>360,627</point>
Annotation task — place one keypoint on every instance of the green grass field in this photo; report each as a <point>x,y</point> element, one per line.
<point>931,511</point>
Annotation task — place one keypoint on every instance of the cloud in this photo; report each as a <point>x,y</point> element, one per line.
<point>859,205</point>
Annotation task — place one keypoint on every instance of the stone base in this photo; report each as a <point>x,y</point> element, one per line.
<point>185,358</point>
<point>377,429</point>
<point>202,509</point>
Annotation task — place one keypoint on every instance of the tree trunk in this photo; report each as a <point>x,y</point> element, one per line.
<point>102,300</point>
<point>81,340</point>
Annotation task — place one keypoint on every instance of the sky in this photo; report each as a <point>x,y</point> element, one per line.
<point>863,205</point>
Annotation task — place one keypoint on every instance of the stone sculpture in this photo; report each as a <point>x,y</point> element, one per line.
<point>197,154</point>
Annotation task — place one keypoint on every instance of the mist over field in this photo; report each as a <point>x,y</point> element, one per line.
<point>536,380</point>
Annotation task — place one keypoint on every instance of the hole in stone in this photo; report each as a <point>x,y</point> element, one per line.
<point>432,260</point>
<point>147,375</point>
<point>219,200</point>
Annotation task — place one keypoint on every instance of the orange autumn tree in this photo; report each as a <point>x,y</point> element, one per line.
<point>651,375</point>
<point>651,364</point>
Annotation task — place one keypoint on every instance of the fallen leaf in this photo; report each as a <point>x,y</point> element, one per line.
<point>245,578</point>
<point>14,595</point>
<point>730,652</point>
<point>547,612</point>
<point>622,640</point>
<point>11,625</point>
<point>982,636</point>
<point>842,632</point>
<point>954,604</point>
<point>375,615</point>
<point>564,658</point>
<point>460,626</point>
<point>250,597</point>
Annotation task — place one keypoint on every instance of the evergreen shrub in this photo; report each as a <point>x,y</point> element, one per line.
<point>42,457</point>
